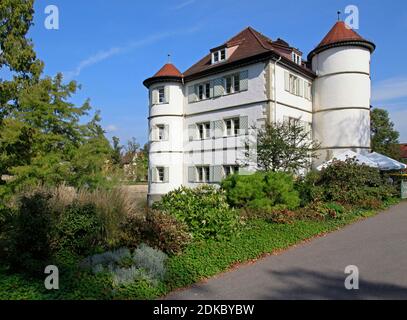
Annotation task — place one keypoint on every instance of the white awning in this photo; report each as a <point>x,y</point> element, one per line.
<point>385,163</point>
<point>360,159</point>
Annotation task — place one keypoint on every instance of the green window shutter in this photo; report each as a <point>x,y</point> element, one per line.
<point>286,81</point>
<point>244,80</point>
<point>244,124</point>
<point>216,173</point>
<point>192,96</point>
<point>219,130</point>
<point>191,174</point>
<point>192,132</point>
<point>166,175</point>
<point>167,94</point>
<point>218,87</point>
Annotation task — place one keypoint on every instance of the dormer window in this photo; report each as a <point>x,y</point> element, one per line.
<point>219,56</point>
<point>296,58</point>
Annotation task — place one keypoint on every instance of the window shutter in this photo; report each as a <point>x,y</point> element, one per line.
<point>191,174</point>
<point>192,132</point>
<point>216,173</point>
<point>244,124</point>
<point>286,81</point>
<point>154,96</point>
<point>212,89</point>
<point>166,132</point>
<point>154,175</point>
<point>219,129</point>
<point>167,94</point>
<point>166,174</point>
<point>286,119</point>
<point>306,96</point>
<point>244,80</point>
<point>192,96</point>
<point>218,87</point>
<point>301,87</point>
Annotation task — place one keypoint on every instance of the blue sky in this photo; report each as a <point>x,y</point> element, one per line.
<point>110,47</point>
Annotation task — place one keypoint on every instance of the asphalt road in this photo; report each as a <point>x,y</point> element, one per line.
<point>316,270</point>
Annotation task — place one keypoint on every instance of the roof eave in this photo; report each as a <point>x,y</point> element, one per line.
<point>361,43</point>
<point>150,81</point>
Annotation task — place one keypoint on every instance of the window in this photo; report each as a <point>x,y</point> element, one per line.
<point>161,132</point>
<point>219,56</point>
<point>296,58</point>
<point>232,126</point>
<point>160,174</point>
<point>204,91</point>
<point>230,169</point>
<point>203,174</point>
<point>204,130</point>
<point>308,90</point>
<point>232,83</point>
<point>161,95</point>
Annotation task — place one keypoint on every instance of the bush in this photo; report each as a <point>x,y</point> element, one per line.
<point>261,191</point>
<point>151,260</point>
<point>27,240</point>
<point>204,210</point>
<point>346,182</point>
<point>157,229</point>
<point>78,229</point>
<point>322,211</point>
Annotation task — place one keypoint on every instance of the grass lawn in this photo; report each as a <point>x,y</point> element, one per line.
<point>199,261</point>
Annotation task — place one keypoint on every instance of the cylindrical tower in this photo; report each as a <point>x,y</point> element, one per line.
<point>342,92</point>
<point>166,152</point>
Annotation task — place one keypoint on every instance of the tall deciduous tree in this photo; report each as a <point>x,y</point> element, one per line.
<point>383,135</point>
<point>281,146</point>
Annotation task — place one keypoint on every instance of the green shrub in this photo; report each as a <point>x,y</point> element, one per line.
<point>261,191</point>
<point>78,230</point>
<point>157,229</point>
<point>27,240</point>
<point>322,211</point>
<point>308,188</point>
<point>204,210</point>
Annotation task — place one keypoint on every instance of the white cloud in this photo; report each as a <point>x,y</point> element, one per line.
<point>109,53</point>
<point>184,4</point>
<point>389,89</point>
<point>111,128</point>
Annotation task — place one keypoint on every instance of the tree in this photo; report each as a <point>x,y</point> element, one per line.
<point>383,135</point>
<point>281,146</point>
<point>117,152</point>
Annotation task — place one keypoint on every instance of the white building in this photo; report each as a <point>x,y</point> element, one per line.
<point>198,119</point>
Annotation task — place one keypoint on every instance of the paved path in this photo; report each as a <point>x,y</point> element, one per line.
<point>315,270</point>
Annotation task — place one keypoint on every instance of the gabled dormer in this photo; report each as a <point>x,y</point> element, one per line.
<point>219,54</point>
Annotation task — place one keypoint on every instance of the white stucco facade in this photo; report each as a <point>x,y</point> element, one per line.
<point>199,124</point>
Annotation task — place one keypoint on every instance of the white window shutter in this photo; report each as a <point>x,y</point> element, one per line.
<point>155,96</point>
<point>166,132</point>
<point>301,87</point>
<point>219,130</point>
<point>244,124</point>
<point>216,174</point>
<point>191,174</point>
<point>166,175</point>
<point>154,174</point>
<point>192,132</point>
<point>286,119</point>
<point>218,87</point>
<point>167,94</point>
<point>286,81</point>
<point>212,89</point>
<point>244,80</point>
<point>192,96</point>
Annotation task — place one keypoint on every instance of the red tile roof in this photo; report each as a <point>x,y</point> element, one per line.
<point>168,70</point>
<point>250,43</point>
<point>341,34</point>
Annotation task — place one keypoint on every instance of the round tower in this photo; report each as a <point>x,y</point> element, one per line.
<point>166,114</point>
<point>342,92</point>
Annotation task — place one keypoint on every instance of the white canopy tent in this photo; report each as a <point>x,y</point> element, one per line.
<point>361,159</point>
<point>385,163</point>
<point>374,160</point>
